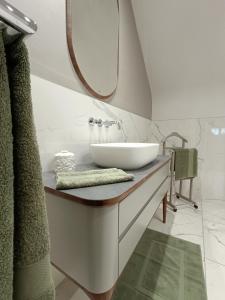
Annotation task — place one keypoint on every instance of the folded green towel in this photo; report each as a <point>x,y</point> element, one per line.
<point>71,180</point>
<point>186,163</point>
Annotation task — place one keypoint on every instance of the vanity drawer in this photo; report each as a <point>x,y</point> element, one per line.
<point>132,205</point>
<point>134,234</point>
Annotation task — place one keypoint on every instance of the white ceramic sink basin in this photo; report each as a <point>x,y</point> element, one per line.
<point>126,156</point>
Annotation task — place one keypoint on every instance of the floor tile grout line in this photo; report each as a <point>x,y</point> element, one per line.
<point>215,262</point>
<point>214,199</point>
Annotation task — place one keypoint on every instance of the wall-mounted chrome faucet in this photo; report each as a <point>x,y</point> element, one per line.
<point>107,123</point>
<point>92,121</point>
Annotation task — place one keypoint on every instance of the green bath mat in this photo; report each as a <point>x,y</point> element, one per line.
<point>162,268</point>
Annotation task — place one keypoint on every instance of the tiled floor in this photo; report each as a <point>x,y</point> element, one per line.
<point>214,241</point>
<point>204,226</point>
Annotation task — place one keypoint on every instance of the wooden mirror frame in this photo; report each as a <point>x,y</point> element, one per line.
<point>73,56</point>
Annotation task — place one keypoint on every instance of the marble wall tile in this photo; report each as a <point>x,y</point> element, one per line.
<point>213,177</point>
<point>215,135</point>
<point>192,130</point>
<point>214,166</point>
<point>61,118</point>
<point>208,136</point>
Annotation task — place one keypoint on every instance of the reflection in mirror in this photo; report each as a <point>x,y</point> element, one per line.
<point>92,36</point>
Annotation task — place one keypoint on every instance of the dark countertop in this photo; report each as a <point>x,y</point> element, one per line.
<point>104,194</point>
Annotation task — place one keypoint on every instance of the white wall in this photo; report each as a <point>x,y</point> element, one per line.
<point>184,50</point>
<point>50,60</point>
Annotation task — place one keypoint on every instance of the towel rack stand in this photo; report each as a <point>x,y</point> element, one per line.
<point>13,19</point>
<point>172,175</point>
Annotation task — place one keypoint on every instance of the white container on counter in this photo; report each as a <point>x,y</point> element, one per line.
<point>65,161</point>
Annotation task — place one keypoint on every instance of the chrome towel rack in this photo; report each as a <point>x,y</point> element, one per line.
<point>172,175</point>
<point>16,20</point>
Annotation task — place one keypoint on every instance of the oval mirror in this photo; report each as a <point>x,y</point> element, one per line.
<point>93,42</point>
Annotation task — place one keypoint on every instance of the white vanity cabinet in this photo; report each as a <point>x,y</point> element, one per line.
<point>95,230</point>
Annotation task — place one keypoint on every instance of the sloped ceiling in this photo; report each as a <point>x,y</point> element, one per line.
<point>183,44</point>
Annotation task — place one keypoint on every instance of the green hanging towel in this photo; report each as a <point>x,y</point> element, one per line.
<point>25,271</point>
<point>186,163</point>
<point>6,182</point>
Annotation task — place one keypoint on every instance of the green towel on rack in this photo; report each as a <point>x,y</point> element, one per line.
<point>186,163</point>
<point>71,180</point>
<point>25,272</point>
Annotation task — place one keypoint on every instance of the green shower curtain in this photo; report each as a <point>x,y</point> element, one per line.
<point>25,272</point>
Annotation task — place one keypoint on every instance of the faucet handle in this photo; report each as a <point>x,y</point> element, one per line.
<point>91,121</point>
<point>107,123</point>
<point>99,122</point>
<point>119,124</point>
